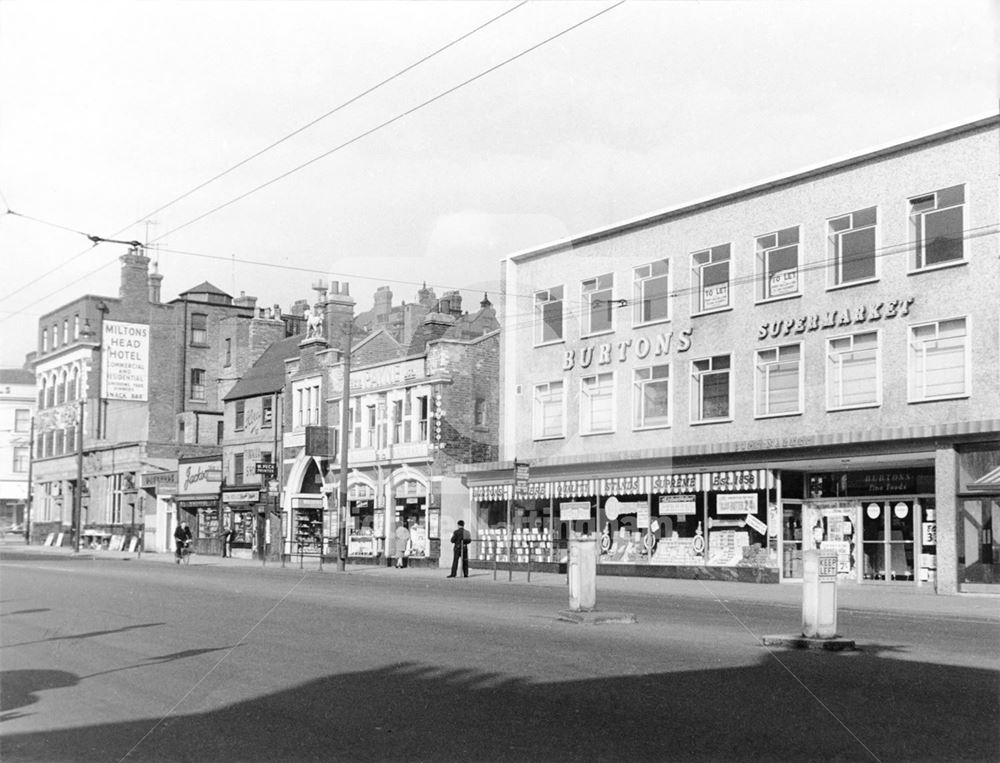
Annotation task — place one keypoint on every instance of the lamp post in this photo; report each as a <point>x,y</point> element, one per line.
<point>345,420</point>
<point>78,487</point>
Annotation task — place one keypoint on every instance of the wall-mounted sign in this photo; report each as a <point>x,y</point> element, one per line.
<point>125,361</point>
<point>199,477</point>
<point>574,511</point>
<point>158,480</point>
<point>241,496</point>
<point>736,503</point>
<point>641,347</point>
<point>835,318</point>
<point>677,504</point>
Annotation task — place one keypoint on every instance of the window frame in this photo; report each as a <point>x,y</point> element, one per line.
<point>966,365</point>
<point>541,304</point>
<point>603,284</point>
<point>697,393</point>
<point>762,263</point>
<point>835,273</point>
<point>639,413</point>
<point>758,380</point>
<point>199,330</point>
<point>698,277</point>
<point>240,408</point>
<point>917,230</point>
<point>196,386</point>
<point>267,412</point>
<point>539,407</point>
<point>20,459</point>
<point>22,420</point>
<point>829,370</point>
<point>604,386</point>
<point>641,299</point>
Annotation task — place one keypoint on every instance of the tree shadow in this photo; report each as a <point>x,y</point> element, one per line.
<point>25,612</point>
<point>861,707</point>
<point>20,688</point>
<point>90,634</point>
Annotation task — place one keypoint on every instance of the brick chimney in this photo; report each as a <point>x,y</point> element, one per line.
<point>135,286</point>
<point>338,310</point>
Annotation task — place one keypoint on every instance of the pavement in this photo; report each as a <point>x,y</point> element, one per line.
<point>890,598</point>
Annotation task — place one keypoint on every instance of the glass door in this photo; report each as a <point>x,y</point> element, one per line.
<point>791,540</point>
<point>889,530</point>
<point>979,549</point>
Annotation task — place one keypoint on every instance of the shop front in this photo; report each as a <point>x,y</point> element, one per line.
<point>246,515</point>
<point>199,488</point>
<point>978,547</point>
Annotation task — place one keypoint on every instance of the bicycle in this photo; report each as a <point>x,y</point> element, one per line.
<point>184,553</point>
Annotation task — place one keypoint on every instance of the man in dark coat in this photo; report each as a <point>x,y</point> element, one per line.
<point>460,540</point>
<point>182,535</point>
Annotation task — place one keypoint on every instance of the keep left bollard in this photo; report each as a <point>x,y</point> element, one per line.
<point>819,594</point>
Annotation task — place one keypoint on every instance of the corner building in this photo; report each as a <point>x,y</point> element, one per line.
<point>809,362</point>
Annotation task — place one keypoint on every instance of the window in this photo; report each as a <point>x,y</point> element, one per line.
<point>22,455</point>
<point>397,421</point>
<point>651,397</point>
<point>710,278</point>
<point>597,404</point>
<point>779,381</point>
<point>267,412</point>
<point>549,315</point>
<point>180,432</point>
<point>73,391</point>
<point>229,352</point>
<point>45,340</point>
<point>710,389</point>
<point>76,326</point>
<point>548,412</point>
<point>939,360</point>
<point>479,412</point>
<point>852,371</point>
<point>65,332</point>
<point>199,328</point>
<point>936,227</point>
<point>852,247</point>
<point>22,420</point>
<point>238,469</point>
<point>220,432</point>
<point>197,383</point>
<point>55,335</point>
<point>370,440</point>
<point>305,397</point>
<point>778,264</point>
<point>240,414</point>
<point>651,292</point>
<point>598,307</point>
<point>423,415</point>
<point>115,506</point>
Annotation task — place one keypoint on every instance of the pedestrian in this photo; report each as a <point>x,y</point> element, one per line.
<point>182,537</point>
<point>227,541</point>
<point>403,546</point>
<point>460,540</point>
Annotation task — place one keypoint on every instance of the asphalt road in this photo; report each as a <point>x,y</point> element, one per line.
<point>113,660</point>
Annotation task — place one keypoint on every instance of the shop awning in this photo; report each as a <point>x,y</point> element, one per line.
<point>988,483</point>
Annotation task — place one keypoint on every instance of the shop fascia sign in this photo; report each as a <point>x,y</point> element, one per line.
<point>158,480</point>
<point>200,477</point>
<point>850,316</point>
<point>385,376</point>
<point>605,353</point>
<point>241,496</point>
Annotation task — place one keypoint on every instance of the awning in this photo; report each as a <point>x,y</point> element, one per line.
<point>988,483</point>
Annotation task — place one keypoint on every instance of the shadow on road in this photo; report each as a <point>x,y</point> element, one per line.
<point>857,706</point>
<point>90,634</point>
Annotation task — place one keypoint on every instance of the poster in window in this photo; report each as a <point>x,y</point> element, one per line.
<point>784,282</point>
<point>713,297</point>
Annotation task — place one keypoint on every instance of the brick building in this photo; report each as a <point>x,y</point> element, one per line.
<point>17,406</point>
<point>808,362</point>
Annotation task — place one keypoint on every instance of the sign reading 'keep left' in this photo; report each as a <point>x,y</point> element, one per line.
<point>125,361</point>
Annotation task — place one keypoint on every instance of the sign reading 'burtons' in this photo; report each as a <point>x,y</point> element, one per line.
<point>604,353</point>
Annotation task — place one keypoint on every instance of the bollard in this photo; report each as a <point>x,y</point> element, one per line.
<point>582,569</point>
<point>819,594</point>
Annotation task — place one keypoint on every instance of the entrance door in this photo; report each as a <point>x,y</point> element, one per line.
<point>889,529</point>
<point>979,560</point>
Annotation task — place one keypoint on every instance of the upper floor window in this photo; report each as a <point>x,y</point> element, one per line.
<point>22,419</point>
<point>778,264</point>
<point>651,397</point>
<point>479,412</point>
<point>397,421</point>
<point>305,397</point>
<point>710,278</point>
<point>22,454</point>
<point>65,331</point>
<point>240,414</point>
<point>199,328</point>
<point>598,308</point>
<point>597,404</point>
<point>852,371</point>
<point>220,431</point>
<point>55,335</point>
<point>238,468</point>
<point>549,315</point>
<point>939,360</point>
<point>778,381</point>
<point>228,359</point>
<point>651,292</point>
<point>197,383</point>
<point>266,411</point>
<point>548,411</point>
<point>937,227</point>
<point>710,389</point>
<point>76,326</point>
<point>852,247</point>
<point>45,340</point>
<point>73,390</point>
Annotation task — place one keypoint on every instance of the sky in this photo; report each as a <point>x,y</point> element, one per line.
<point>537,121</point>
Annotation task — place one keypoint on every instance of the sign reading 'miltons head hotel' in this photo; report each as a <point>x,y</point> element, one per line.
<point>125,361</point>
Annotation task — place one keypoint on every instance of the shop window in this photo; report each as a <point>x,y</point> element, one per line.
<point>598,306</point>
<point>22,455</point>
<point>548,411</point>
<point>597,404</point>
<point>651,397</point>
<point>852,371</point>
<point>778,264</point>
<point>238,469</point>
<point>22,419</point>
<point>937,228</point>
<point>710,389</point>
<point>267,412</point>
<point>938,360</point>
<point>710,277</point>
<point>778,381</point>
<point>651,292</point>
<point>852,247</point>
<point>197,383</point>
<point>240,415</point>
<point>549,315</point>
<point>199,329</point>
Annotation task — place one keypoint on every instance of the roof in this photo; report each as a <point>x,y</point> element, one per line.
<point>206,287</point>
<point>16,376</point>
<point>267,375</point>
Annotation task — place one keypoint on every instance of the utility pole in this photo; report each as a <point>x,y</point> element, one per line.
<point>31,469</point>
<point>345,438</point>
<point>78,488</point>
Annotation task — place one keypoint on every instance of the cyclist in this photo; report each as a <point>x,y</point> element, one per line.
<point>182,536</point>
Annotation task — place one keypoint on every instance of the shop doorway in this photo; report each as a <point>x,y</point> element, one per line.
<point>889,530</point>
<point>979,552</point>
